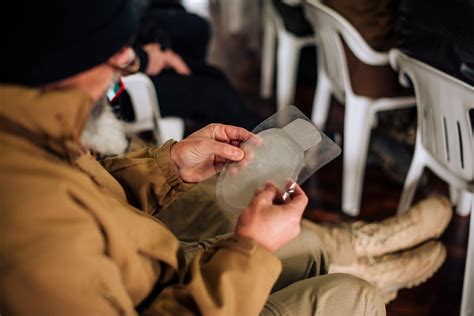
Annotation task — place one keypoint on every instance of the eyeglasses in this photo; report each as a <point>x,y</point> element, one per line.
<point>132,67</point>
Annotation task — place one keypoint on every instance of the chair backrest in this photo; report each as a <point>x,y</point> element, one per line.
<point>270,14</point>
<point>145,105</point>
<point>330,26</point>
<point>443,104</point>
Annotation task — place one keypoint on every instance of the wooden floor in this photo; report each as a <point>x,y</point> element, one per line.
<point>441,295</point>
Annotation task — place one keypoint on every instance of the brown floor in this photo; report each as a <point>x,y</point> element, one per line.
<point>441,294</point>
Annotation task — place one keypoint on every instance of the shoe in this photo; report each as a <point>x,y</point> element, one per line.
<point>396,271</point>
<point>426,220</point>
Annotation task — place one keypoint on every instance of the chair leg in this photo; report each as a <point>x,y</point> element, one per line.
<point>322,99</point>
<point>411,181</point>
<point>467,303</point>
<point>357,127</point>
<point>464,203</point>
<point>234,15</point>
<point>268,58</point>
<point>287,66</point>
<point>453,194</point>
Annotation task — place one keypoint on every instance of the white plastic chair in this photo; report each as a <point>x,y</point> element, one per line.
<point>147,112</point>
<point>444,140</point>
<point>333,79</point>
<point>233,15</point>
<point>288,55</point>
<point>240,17</point>
<point>444,143</point>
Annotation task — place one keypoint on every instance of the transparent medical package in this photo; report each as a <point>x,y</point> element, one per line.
<point>287,147</point>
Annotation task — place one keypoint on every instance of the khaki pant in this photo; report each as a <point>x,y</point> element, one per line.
<point>304,287</point>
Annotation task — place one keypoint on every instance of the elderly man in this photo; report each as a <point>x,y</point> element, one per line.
<point>78,237</point>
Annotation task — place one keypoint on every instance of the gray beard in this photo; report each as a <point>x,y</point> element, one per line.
<point>104,133</point>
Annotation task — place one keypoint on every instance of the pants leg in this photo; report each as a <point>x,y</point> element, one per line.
<point>303,287</point>
<point>328,295</point>
<point>196,216</point>
<point>303,257</point>
<point>337,239</point>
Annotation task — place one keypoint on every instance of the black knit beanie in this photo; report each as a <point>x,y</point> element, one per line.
<point>49,40</point>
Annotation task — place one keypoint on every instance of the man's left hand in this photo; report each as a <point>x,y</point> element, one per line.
<point>203,153</point>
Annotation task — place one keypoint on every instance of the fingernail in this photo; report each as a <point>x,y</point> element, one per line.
<point>238,153</point>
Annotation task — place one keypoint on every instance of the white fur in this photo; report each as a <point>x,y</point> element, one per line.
<point>104,133</point>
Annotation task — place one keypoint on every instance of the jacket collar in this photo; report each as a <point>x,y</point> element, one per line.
<point>56,118</point>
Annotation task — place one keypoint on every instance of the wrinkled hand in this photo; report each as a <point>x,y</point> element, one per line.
<point>203,153</point>
<point>159,59</point>
<point>270,224</point>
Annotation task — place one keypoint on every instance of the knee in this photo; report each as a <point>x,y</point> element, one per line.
<point>308,237</point>
<point>349,283</point>
<point>308,248</point>
<point>359,294</point>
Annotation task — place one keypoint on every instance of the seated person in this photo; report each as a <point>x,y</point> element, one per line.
<point>172,46</point>
<point>439,35</point>
<point>79,236</point>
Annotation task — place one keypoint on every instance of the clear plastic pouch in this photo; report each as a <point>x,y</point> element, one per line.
<point>287,147</point>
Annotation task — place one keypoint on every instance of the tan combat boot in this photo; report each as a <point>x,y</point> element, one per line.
<point>348,241</point>
<point>426,220</point>
<point>396,271</point>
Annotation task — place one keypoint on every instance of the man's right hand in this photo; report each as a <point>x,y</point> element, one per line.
<point>270,224</point>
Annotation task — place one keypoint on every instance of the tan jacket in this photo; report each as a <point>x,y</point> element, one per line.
<point>71,243</point>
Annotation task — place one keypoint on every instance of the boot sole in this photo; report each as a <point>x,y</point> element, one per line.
<point>390,294</point>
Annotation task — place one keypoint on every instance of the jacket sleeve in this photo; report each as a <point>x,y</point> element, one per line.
<point>234,278</point>
<point>148,176</point>
<point>66,271</point>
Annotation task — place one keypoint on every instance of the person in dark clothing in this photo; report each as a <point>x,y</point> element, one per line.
<point>439,35</point>
<point>174,28</point>
<point>172,46</point>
